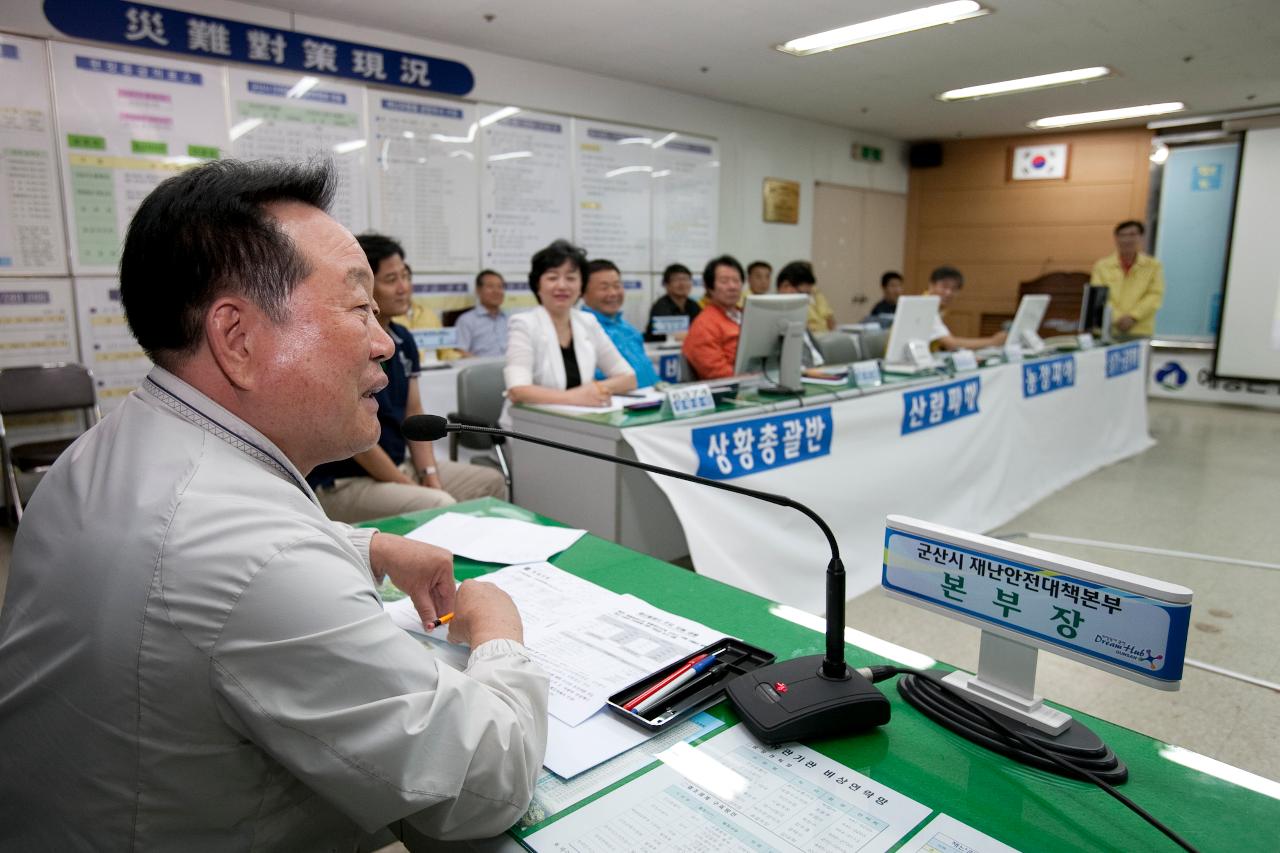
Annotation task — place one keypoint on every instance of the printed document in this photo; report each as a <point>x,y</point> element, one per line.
<point>734,794</point>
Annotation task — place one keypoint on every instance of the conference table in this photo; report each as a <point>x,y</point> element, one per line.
<point>970,449</point>
<point>1212,805</point>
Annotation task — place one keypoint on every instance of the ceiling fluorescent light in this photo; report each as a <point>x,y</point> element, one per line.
<point>1026,84</point>
<point>348,147</point>
<point>304,85</point>
<point>893,25</point>
<point>510,155</point>
<point>1108,115</point>
<point>499,115</point>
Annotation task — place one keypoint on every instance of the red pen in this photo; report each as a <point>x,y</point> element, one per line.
<point>663,683</point>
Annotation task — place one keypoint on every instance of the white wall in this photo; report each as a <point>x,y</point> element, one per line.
<point>755,144</point>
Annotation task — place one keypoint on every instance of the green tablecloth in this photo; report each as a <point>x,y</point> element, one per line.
<point>1025,808</point>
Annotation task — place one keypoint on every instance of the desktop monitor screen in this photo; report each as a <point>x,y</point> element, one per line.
<point>1092,307</point>
<point>765,320</point>
<point>1026,323</point>
<point>913,321</point>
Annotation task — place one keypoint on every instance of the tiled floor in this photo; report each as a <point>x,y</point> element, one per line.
<point>1211,486</point>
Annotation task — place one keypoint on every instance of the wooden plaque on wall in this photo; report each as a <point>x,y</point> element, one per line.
<point>781,201</point>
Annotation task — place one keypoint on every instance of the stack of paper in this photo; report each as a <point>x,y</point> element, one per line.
<point>592,642</point>
<point>495,540</point>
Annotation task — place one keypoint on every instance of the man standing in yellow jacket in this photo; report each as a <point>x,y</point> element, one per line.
<point>1136,281</point>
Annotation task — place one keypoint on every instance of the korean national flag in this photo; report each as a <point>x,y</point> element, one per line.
<point>1040,162</point>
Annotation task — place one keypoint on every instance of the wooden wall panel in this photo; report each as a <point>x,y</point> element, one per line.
<point>967,213</point>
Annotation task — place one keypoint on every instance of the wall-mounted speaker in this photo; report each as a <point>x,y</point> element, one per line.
<point>925,155</point>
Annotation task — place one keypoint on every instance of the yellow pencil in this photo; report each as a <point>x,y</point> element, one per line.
<point>444,620</point>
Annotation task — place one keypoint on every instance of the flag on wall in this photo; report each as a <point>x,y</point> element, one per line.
<point>1040,162</point>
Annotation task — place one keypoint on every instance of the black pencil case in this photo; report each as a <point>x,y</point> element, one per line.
<point>733,658</point>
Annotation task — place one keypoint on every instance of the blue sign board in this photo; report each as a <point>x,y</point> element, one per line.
<point>931,407</point>
<point>1048,374</point>
<point>207,37</point>
<point>669,367</point>
<point>437,287</point>
<point>733,449</point>
<point>1124,359</point>
<point>1124,629</point>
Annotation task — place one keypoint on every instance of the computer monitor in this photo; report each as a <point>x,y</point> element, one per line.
<point>773,327</point>
<point>1093,309</point>
<point>913,321</point>
<point>1026,323</point>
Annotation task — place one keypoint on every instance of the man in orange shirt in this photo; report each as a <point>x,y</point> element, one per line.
<point>712,342</point>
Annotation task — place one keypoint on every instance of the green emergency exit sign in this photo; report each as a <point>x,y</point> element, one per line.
<point>868,153</point>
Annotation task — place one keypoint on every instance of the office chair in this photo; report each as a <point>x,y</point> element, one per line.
<point>839,348</point>
<point>29,390</point>
<point>480,402</point>
<point>873,342</point>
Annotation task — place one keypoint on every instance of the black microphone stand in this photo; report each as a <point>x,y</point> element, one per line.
<point>814,696</point>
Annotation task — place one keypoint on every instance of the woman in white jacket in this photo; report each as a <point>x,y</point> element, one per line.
<point>554,350</point>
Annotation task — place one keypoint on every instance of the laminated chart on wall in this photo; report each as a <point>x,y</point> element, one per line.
<point>686,200</point>
<point>32,241</point>
<point>126,122</point>
<point>426,181</point>
<point>525,184</point>
<point>294,117</point>
<point>639,291</point>
<point>37,326</point>
<point>107,346</point>
<point>613,168</point>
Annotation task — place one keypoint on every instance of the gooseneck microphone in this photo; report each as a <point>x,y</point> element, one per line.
<point>814,696</point>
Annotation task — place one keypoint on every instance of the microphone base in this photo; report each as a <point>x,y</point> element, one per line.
<point>792,700</point>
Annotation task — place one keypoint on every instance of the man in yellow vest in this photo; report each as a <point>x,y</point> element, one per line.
<point>1136,281</point>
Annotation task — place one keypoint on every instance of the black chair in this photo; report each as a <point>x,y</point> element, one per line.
<point>37,389</point>
<point>480,402</point>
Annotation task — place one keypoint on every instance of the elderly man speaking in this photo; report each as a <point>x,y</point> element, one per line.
<point>191,655</point>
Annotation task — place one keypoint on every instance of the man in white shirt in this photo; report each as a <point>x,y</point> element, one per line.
<point>192,656</point>
<point>482,331</point>
<point>945,283</point>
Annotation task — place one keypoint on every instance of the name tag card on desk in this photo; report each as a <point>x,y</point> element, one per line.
<point>670,325</point>
<point>866,374</point>
<point>689,401</point>
<point>964,359</point>
<point>433,339</point>
<point>1028,599</point>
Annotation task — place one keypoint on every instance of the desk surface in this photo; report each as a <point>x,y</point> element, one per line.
<point>1025,808</point>
<point>753,402</point>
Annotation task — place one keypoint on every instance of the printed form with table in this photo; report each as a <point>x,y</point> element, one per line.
<point>698,783</point>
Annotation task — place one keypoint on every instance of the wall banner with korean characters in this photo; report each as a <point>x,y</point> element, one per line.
<point>206,37</point>
<point>987,455</point>
<point>1122,628</point>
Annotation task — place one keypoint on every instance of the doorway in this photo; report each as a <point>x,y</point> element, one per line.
<point>857,235</point>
